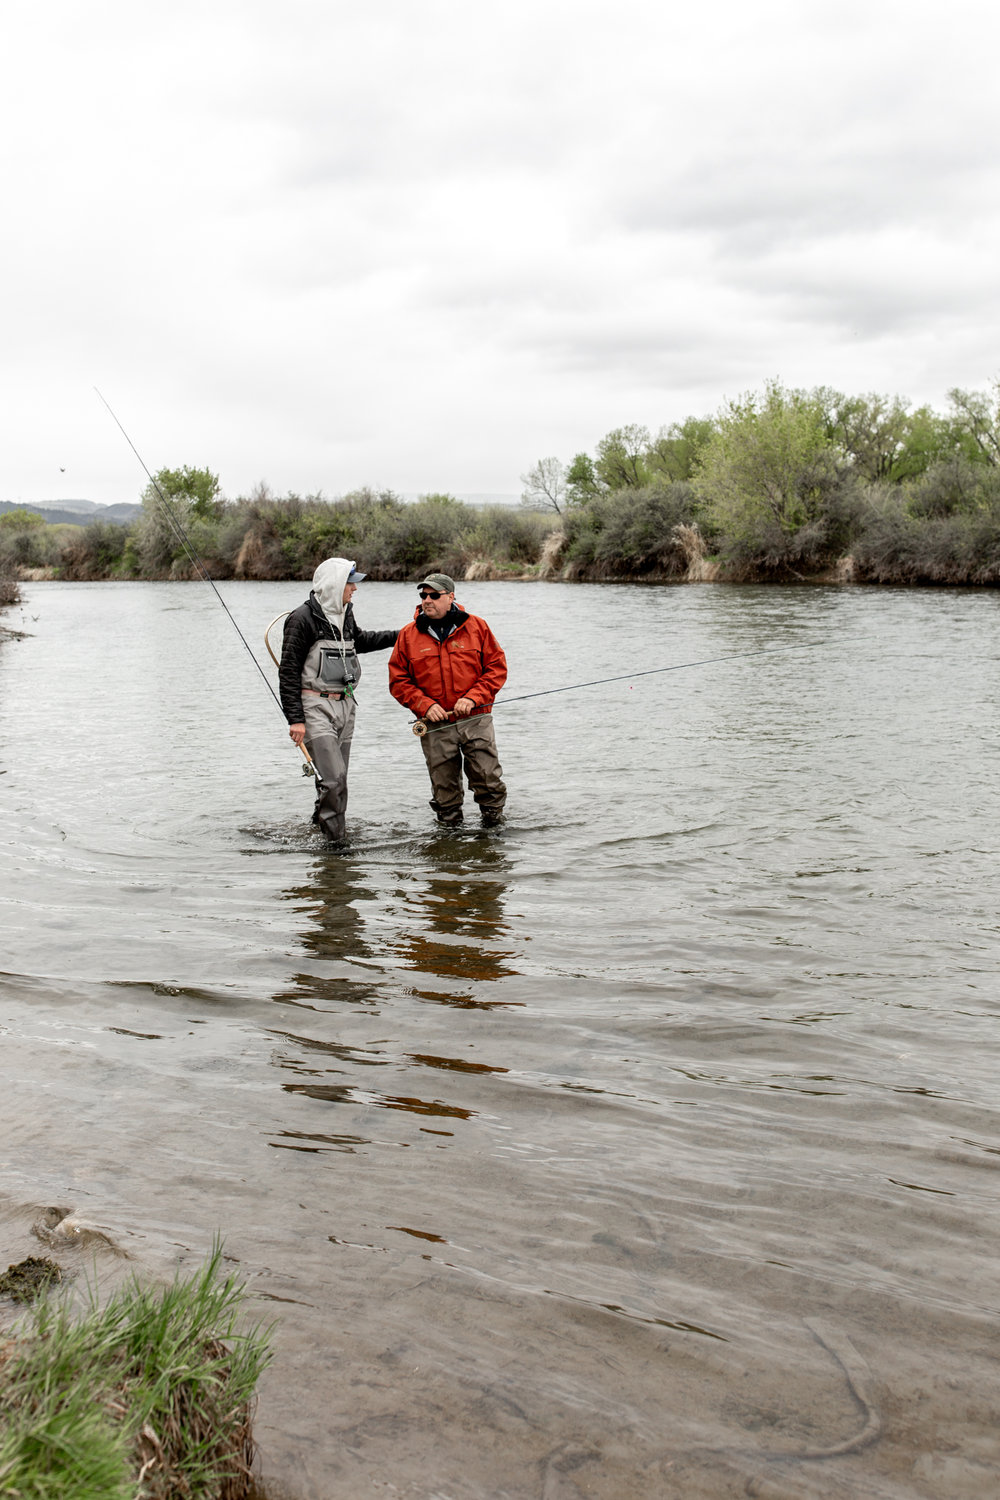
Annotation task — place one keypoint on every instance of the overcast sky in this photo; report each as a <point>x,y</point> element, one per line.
<point>422,243</point>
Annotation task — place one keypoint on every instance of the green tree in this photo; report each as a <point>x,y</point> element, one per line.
<point>582,483</point>
<point>621,458</point>
<point>674,453</point>
<point>200,487</point>
<point>869,429</point>
<point>976,423</point>
<point>885,441</point>
<point>928,440</point>
<point>172,503</point>
<point>21,520</point>
<point>769,465</point>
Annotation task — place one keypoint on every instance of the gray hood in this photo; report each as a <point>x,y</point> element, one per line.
<point>329,581</point>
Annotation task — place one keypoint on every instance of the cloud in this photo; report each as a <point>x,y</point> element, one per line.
<point>420,245</point>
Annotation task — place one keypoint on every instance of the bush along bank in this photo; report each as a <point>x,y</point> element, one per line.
<point>653,534</point>
<point>779,486</point>
<point>269,538</point>
<point>145,1398</point>
<point>785,485</point>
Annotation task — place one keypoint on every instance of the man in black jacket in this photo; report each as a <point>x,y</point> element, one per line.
<point>318,674</point>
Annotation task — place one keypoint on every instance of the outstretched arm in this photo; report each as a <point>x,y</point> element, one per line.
<point>374,640</point>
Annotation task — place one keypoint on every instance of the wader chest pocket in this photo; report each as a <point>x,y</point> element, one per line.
<point>336,670</point>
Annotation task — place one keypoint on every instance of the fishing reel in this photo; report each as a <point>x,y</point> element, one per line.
<point>420,728</point>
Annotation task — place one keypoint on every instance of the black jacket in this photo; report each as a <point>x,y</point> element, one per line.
<point>303,627</point>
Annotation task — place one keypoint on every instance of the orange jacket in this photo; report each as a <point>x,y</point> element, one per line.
<point>424,670</point>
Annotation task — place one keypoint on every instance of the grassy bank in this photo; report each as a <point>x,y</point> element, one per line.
<point>145,1398</point>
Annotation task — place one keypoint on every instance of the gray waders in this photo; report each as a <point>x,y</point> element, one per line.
<point>329,674</point>
<point>329,731</point>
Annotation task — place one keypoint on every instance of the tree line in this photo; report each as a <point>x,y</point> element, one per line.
<point>789,483</point>
<point>186,525</point>
<point>778,485</point>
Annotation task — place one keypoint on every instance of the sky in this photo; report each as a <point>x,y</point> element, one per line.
<point>420,244</point>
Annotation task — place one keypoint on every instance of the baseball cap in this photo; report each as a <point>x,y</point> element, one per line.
<point>439,581</point>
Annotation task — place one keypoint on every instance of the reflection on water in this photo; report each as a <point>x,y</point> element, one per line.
<point>449,925</point>
<point>646,1146</point>
<point>331,928</point>
<point>453,926</point>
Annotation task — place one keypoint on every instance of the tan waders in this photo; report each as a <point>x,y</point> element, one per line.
<point>472,742</point>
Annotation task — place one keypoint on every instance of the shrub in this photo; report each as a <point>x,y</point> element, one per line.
<point>767,548</point>
<point>417,538</point>
<point>631,530</point>
<point>94,551</point>
<point>21,520</point>
<point>28,541</point>
<point>506,537</point>
<point>955,486</point>
<point>898,547</point>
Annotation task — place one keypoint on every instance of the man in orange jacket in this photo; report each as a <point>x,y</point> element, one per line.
<point>447,667</point>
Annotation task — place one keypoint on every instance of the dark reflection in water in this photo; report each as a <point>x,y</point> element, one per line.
<point>334,1049</point>
<point>454,928</point>
<point>300,1140</point>
<point>452,1064</point>
<point>332,929</point>
<point>449,922</point>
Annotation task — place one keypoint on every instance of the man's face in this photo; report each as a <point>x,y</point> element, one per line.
<point>434,605</point>
<point>350,589</point>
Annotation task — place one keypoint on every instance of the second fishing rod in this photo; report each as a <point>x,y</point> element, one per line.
<point>424,726</point>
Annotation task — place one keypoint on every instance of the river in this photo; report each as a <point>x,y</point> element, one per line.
<point>644,1146</point>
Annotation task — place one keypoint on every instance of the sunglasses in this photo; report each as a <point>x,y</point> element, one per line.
<point>429,594</point>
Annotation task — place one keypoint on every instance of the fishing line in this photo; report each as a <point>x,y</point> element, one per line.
<point>185,541</point>
<point>423,726</point>
<point>651,671</point>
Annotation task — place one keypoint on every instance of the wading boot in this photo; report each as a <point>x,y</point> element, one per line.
<point>449,817</point>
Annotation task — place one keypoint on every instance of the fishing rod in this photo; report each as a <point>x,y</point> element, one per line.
<point>422,727</point>
<point>185,541</point>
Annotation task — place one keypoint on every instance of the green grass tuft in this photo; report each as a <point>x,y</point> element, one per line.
<point>147,1397</point>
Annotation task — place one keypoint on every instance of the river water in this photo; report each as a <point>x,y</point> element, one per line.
<point>645,1146</point>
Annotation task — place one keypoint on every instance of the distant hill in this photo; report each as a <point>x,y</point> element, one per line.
<point>84,512</point>
<point>75,512</point>
<point>478,498</point>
